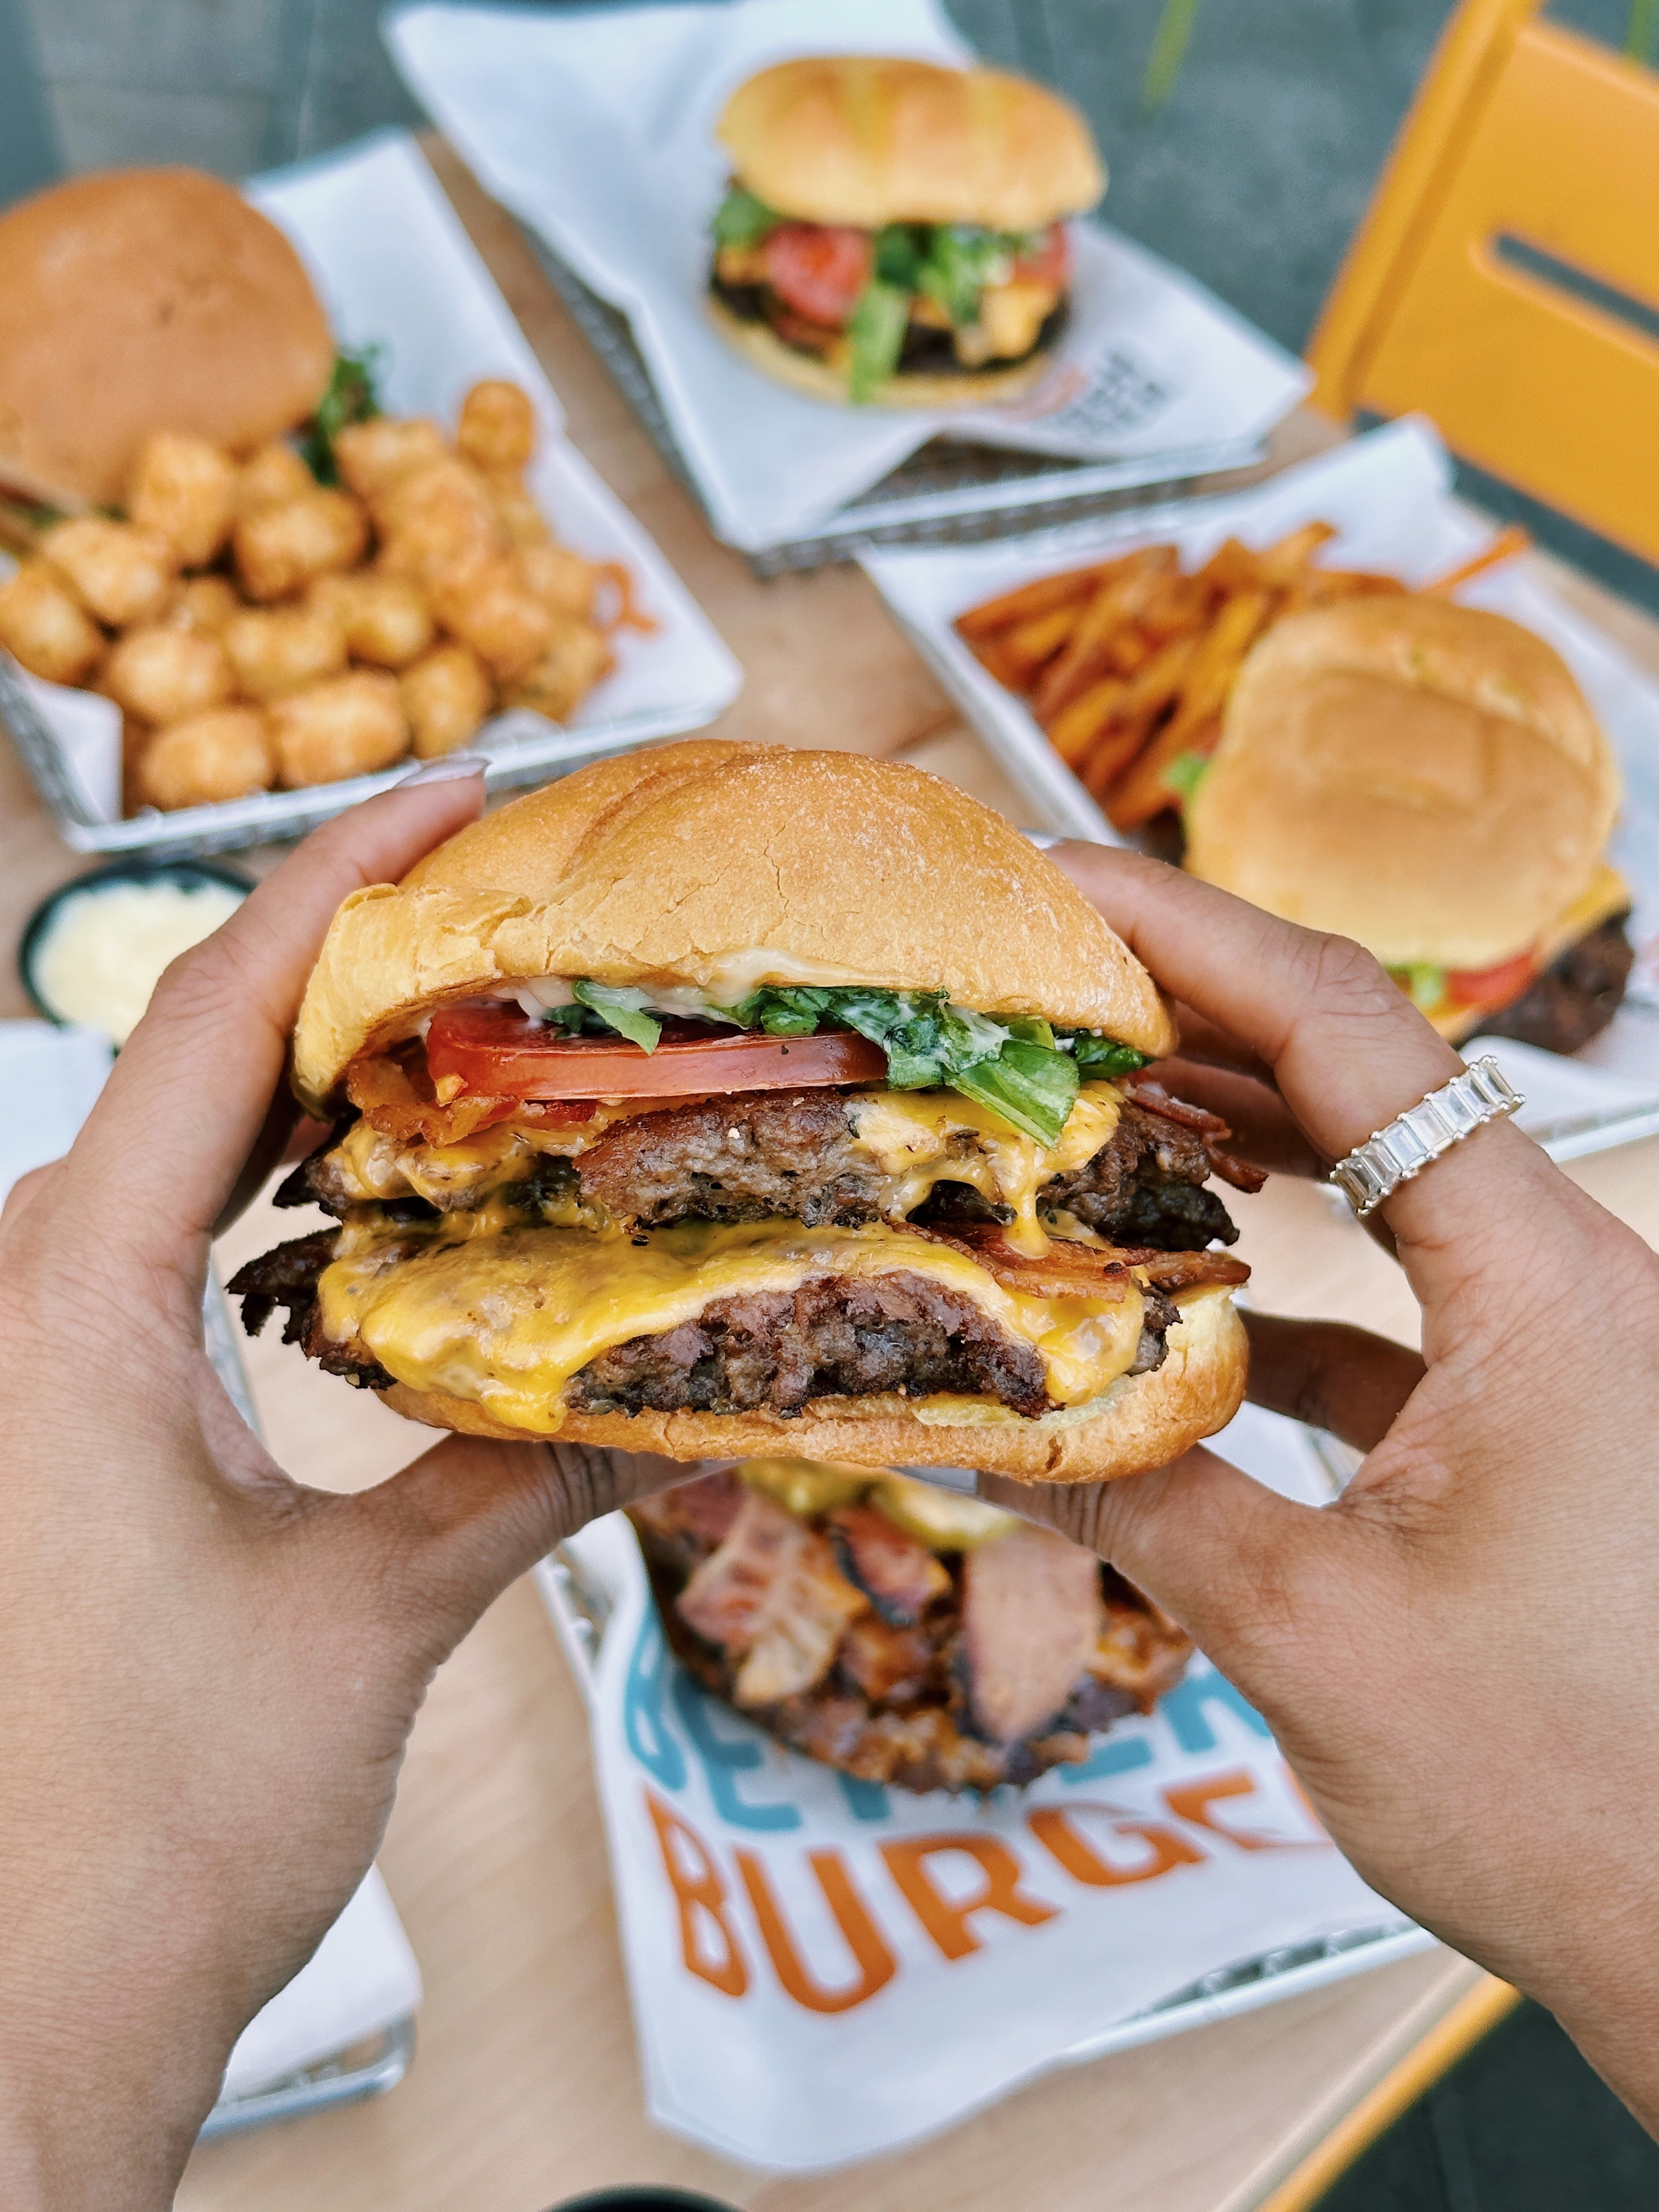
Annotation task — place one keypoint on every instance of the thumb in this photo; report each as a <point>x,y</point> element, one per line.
<point>1224,1555</point>
<point>459,1525</point>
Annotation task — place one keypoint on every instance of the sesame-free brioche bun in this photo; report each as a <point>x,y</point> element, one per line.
<point>146,300</point>
<point>868,140</point>
<point>1148,1421</point>
<point>817,379</point>
<point>1422,777</point>
<point>721,866</point>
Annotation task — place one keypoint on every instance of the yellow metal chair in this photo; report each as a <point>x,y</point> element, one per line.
<point>1505,281</point>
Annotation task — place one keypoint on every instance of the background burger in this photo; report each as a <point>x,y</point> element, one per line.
<point>896,1631</point>
<point>732,1100</point>
<point>895,232</point>
<point>1427,778</point>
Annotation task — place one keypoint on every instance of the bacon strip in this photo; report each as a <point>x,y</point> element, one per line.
<point>772,1593</point>
<point>1152,1098</point>
<point>1071,1269</point>
<point>900,1576</point>
<point>1184,1271</point>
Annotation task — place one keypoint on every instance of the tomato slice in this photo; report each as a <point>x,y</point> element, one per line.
<point>1496,985</point>
<point>499,1052</point>
<point>1051,263</point>
<point>818,269</point>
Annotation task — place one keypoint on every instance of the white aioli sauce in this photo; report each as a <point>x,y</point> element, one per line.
<point>104,951</point>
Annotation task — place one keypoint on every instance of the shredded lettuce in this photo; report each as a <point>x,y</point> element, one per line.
<point>622,1010</point>
<point>742,220</point>
<point>959,263</point>
<point>1423,983</point>
<point>875,332</point>
<point>1185,773</point>
<point>1100,1058</point>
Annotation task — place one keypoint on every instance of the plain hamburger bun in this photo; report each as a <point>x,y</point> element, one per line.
<point>816,379</point>
<point>878,139</point>
<point>721,866</point>
<point>1148,1421</point>
<point>1422,776</point>
<point>146,300</point>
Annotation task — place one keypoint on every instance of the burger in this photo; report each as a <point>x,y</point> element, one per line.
<point>1427,778</point>
<point>895,232</point>
<point>728,1100</point>
<point>896,1631</point>
<point>146,300</point>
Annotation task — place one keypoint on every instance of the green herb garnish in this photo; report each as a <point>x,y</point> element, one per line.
<point>351,397</point>
<point>1424,984</point>
<point>623,1010</point>
<point>1185,773</point>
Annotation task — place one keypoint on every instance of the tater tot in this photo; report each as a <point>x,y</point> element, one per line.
<point>204,604</point>
<point>225,754</point>
<point>47,626</point>
<point>351,725</point>
<point>276,474</point>
<point>280,649</point>
<point>562,678</point>
<point>278,550</point>
<point>446,696</point>
<point>123,573</point>
<point>372,456</point>
<point>520,516</point>
<point>497,429</point>
<point>161,674</point>
<point>489,608</point>
<point>385,618</point>
<point>184,489</point>
<point>559,578</point>
<point>436,522</point>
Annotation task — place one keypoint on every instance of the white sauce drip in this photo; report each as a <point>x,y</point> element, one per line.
<point>104,951</point>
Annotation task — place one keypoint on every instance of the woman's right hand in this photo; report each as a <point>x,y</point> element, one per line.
<point>1461,1657</point>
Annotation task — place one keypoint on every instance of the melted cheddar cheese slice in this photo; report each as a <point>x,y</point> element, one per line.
<point>506,1318</point>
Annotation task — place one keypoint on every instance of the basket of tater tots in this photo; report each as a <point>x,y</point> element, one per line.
<point>362,590</point>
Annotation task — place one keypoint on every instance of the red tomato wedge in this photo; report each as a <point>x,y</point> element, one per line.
<point>499,1052</point>
<point>1051,262</point>
<point>818,269</point>
<point>1487,987</point>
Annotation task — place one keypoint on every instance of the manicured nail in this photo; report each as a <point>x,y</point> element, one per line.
<point>449,768</point>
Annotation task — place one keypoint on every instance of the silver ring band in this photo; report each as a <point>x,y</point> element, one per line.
<point>1376,1170</point>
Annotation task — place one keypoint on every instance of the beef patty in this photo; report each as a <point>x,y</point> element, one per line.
<point>1575,998</point>
<point>793,1154</point>
<point>836,1336</point>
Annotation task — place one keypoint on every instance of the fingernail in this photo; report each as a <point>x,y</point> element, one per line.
<point>449,768</point>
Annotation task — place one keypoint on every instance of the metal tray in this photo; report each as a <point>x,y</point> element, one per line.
<point>948,492</point>
<point>522,747</point>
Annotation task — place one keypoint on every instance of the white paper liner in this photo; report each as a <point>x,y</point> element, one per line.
<point>1233,1866</point>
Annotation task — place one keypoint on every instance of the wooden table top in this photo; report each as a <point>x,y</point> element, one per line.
<point>525,2089</point>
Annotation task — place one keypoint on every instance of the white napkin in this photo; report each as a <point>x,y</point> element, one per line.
<point>52,1077</point>
<point>597,131</point>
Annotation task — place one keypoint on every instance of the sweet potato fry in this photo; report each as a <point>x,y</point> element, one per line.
<point>1029,643</point>
<point>1283,562</point>
<point>1033,598</point>
<point>1118,600</point>
<point>1509,542</point>
<point>1232,567</point>
<point>992,655</point>
<point>1075,730</point>
<point>1112,754</point>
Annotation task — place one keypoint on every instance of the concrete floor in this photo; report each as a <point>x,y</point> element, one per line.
<point>1253,175</point>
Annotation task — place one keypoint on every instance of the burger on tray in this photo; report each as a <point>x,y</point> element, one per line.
<point>896,1631</point>
<point>727,1100</point>
<point>895,231</point>
<point>1427,778</point>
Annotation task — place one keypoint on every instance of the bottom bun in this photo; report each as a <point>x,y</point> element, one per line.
<point>1143,1421</point>
<point>817,380</point>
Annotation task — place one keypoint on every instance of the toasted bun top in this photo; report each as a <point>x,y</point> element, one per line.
<point>871,140</point>
<point>721,866</point>
<point>146,300</point>
<point>1420,775</point>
